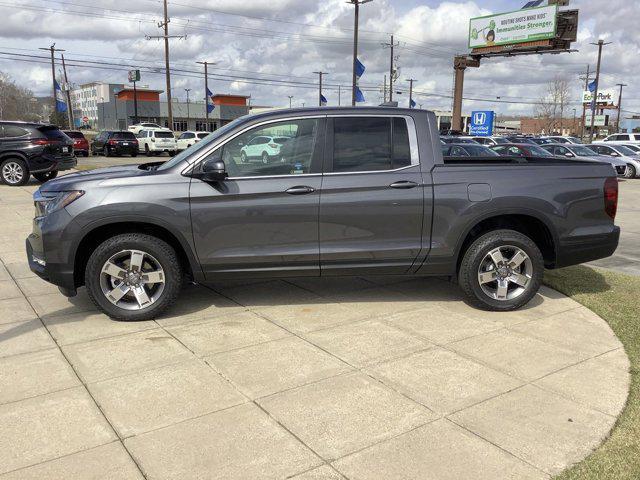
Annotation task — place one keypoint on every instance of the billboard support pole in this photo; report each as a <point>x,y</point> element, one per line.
<point>584,105</point>
<point>460,63</point>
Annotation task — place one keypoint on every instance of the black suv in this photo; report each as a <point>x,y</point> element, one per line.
<point>33,149</point>
<point>113,142</point>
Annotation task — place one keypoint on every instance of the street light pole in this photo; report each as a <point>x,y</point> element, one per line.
<point>619,106</point>
<point>594,103</point>
<point>290,98</point>
<point>356,4</point>
<point>320,75</point>
<point>188,113</point>
<point>411,80</point>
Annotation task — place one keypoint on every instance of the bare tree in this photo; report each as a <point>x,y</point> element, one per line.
<point>16,103</point>
<point>550,108</point>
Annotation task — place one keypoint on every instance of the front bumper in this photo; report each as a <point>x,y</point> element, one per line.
<point>51,272</point>
<point>587,248</point>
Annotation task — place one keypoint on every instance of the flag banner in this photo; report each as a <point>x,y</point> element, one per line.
<point>209,93</point>
<point>323,100</point>
<point>360,68</point>
<point>359,95</point>
<point>61,104</point>
<point>210,107</point>
<point>412,103</point>
<point>592,86</point>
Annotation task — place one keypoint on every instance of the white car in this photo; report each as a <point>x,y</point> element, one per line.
<point>621,138</point>
<point>155,142</point>
<point>262,147</point>
<point>186,139</point>
<point>145,126</point>
<point>621,152</point>
<point>489,141</point>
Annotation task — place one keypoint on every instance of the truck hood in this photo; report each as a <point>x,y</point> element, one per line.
<point>77,181</point>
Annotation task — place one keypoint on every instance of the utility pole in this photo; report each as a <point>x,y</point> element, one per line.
<point>320,75</point>
<point>619,106</point>
<point>384,89</point>
<point>587,77</point>
<point>66,87</point>
<point>339,96</point>
<point>356,4</point>
<point>290,99</point>
<point>600,44</point>
<point>391,46</point>
<point>53,49</point>
<point>188,112</point>
<point>411,80</point>
<point>165,25</point>
<point>206,88</point>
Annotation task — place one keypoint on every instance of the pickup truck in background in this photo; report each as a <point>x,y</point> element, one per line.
<point>360,191</point>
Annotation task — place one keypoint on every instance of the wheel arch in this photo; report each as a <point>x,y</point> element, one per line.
<point>526,223</point>
<point>99,233</point>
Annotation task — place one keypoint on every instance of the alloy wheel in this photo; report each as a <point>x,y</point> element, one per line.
<point>12,172</point>
<point>505,272</point>
<point>132,279</point>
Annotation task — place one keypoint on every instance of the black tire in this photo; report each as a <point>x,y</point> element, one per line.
<point>146,151</point>
<point>160,250</point>
<point>134,154</point>
<point>631,171</point>
<point>265,158</point>
<point>14,172</point>
<point>476,254</point>
<point>107,152</point>
<point>45,176</point>
<point>85,154</point>
<point>243,157</point>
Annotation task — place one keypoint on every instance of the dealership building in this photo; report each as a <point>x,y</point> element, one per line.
<point>108,106</point>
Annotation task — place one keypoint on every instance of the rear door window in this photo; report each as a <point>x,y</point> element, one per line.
<point>361,144</point>
<point>11,131</point>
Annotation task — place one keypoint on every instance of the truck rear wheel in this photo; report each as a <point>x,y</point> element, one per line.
<point>133,277</point>
<point>502,270</point>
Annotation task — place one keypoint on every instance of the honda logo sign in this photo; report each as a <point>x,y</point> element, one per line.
<point>482,123</point>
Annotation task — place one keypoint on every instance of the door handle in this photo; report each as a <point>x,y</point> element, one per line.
<point>300,190</point>
<point>403,185</point>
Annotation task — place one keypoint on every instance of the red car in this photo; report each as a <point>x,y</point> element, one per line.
<point>80,144</point>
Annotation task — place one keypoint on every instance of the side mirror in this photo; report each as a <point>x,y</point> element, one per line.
<point>615,154</point>
<point>214,171</point>
<point>569,155</point>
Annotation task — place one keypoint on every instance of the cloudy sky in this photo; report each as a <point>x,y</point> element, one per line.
<point>269,48</point>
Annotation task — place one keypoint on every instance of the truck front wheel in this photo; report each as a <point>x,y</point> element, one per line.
<point>133,277</point>
<point>501,270</point>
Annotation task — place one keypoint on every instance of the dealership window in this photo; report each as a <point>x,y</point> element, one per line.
<point>180,126</point>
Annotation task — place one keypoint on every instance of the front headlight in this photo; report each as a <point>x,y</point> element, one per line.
<point>47,205</point>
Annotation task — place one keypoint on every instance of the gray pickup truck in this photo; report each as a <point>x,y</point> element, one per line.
<point>320,192</point>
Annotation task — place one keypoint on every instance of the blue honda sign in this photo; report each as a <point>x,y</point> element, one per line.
<point>482,123</point>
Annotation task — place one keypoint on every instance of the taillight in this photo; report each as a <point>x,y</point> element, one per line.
<point>112,142</point>
<point>273,145</point>
<point>611,197</point>
<point>43,141</point>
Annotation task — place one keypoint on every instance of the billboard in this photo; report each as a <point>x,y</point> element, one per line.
<point>134,75</point>
<point>599,120</point>
<point>482,123</point>
<point>607,97</point>
<point>510,28</point>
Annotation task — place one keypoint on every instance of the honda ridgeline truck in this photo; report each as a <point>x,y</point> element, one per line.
<point>349,191</point>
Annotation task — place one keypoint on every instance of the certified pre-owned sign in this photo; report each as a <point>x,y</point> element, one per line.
<point>481,123</point>
<point>521,26</point>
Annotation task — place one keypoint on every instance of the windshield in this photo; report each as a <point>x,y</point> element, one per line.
<point>212,137</point>
<point>635,148</point>
<point>500,140</point>
<point>624,150</point>
<point>538,151</point>
<point>480,151</point>
<point>123,136</point>
<point>74,134</point>
<point>582,151</point>
<point>163,134</point>
<point>202,135</point>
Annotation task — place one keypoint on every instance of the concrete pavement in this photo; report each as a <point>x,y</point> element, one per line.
<point>627,257</point>
<point>359,378</point>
